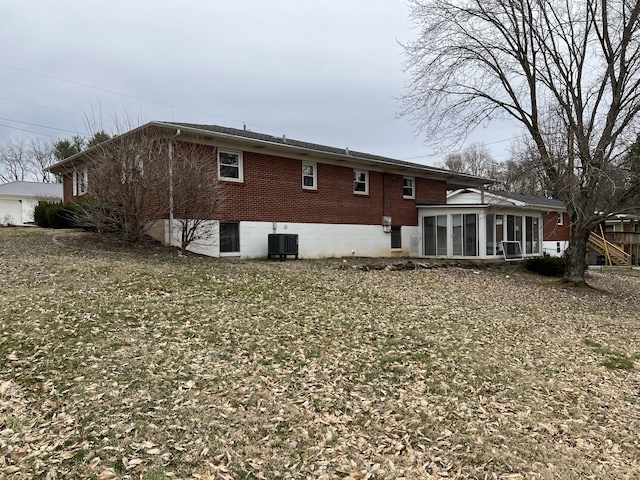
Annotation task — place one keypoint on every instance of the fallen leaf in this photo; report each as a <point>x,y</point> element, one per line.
<point>107,474</point>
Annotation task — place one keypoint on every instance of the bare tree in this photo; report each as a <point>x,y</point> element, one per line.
<point>23,159</point>
<point>15,161</point>
<point>562,69</point>
<point>476,160</point>
<point>41,156</point>
<point>196,194</point>
<point>127,187</point>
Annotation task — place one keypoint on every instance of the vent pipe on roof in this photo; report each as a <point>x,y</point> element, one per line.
<point>284,138</point>
<point>346,151</point>
<point>244,126</point>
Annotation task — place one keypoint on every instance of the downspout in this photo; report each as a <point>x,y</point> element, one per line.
<point>170,192</point>
<point>384,194</point>
<point>171,187</point>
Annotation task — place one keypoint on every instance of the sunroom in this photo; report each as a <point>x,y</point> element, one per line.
<point>479,227</point>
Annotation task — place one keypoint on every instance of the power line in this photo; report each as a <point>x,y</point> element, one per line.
<point>29,131</point>
<point>41,106</point>
<point>112,92</point>
<point>42,126</point>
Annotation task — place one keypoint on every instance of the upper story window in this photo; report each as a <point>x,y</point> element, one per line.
<point>230,166</point>
<point>360,182</point>
<point>309,176</point>
<point>560,218</point>
<point>80,181</point>
<point>408,187</point>
<point>132,169</point>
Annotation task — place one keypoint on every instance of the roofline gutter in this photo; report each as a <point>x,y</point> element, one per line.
<point>342,156</point>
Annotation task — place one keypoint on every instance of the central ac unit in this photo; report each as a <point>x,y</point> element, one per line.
<point>282,245</point>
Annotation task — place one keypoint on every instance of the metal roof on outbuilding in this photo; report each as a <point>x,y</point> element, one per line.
<point>31,190</point>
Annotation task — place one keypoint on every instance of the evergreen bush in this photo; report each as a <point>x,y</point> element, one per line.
<point>54,215</point>
<point>547,265</point>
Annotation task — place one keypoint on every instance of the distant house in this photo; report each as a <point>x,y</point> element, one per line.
<point>623,232</point>
<point>491,225</point>
<point>18,200</point>
<point>337,201</point>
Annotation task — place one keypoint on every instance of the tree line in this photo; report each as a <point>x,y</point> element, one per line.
<point>24,159</point>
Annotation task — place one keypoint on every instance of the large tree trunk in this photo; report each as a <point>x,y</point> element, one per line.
<point>574,266</point>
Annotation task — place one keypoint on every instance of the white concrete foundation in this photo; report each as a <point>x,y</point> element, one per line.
<point>314,240</point>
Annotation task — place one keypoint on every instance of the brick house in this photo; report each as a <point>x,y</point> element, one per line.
<point>339,202</point>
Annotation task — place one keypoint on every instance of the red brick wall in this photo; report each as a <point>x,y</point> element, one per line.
<point>552,232</point>
<point>272,191</point>
<point>67,188</point>
<point>431,191</point>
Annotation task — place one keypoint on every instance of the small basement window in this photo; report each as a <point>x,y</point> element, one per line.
<point>396,238</point>
<point>229,237</point>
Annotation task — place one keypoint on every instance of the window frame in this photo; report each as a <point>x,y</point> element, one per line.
<point>230,253</point>
<point>80,181</point>
<point>365,182</point>
<point>560,219</point>
<point>413,187</point>
<point>435,231</point>
<point>239,166</point>
<point>313,176</point>
<point>396,234</point>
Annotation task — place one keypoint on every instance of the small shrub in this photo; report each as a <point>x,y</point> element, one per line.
<point>54,215</point>
<point>547,266</point>
<point>8,221</point>
<point>40,214</point>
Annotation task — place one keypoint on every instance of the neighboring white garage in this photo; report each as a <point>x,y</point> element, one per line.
<point>18,199</point>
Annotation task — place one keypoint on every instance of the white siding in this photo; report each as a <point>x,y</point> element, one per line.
<point>10,212</point>
<point>551,248</point>
<point>28,206</point>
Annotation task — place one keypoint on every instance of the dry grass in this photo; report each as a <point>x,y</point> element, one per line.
<point>119,364</point>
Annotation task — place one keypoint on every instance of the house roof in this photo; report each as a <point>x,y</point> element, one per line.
<point>284,144</point>
<point>497,197</point>
<point>529,199</point>
<point>31,190</point>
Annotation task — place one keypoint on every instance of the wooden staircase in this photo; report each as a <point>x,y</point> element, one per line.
<point>616,254</point>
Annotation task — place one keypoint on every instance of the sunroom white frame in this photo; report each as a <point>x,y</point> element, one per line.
<point>481,212</point>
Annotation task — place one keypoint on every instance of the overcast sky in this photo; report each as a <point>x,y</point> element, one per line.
<point>325,72</point>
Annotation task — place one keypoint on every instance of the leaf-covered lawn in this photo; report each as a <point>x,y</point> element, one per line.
<point>121,364</point>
